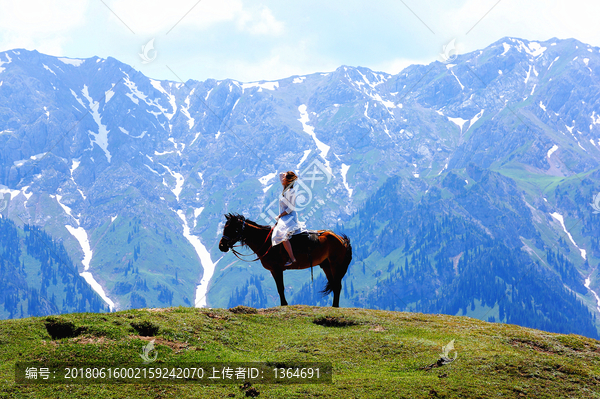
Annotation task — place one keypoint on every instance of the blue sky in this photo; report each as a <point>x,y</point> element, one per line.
<point>267,40</point>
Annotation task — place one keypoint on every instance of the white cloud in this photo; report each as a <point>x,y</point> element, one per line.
<point>260,23</point>
<point>531,20</point>
<point>157,16</point>
<point>151,17</point>
<point>39,24</point>
<point>293,58</point>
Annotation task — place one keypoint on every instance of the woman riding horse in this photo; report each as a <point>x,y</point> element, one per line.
<point>332,252</point>
<point>287,220</point>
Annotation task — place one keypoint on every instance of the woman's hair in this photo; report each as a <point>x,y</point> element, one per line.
<point>289,178</point>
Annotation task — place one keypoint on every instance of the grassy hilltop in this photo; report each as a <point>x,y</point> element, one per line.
<point>374,353</point>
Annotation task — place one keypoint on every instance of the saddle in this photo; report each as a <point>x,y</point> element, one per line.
<point>306,242</point>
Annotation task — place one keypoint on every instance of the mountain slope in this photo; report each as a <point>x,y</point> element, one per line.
<point>135,174</point>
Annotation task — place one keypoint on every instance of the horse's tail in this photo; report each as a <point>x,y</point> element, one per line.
<point>340,272</point>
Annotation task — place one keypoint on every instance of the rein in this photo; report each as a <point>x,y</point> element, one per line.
<point>241,238</point>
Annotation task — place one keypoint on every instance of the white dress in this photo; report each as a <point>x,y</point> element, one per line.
<point>289,224</point>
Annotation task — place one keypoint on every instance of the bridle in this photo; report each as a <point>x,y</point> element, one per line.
<point>230,243</point>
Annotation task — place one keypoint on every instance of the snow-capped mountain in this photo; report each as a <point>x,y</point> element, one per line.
<point>134,174</point>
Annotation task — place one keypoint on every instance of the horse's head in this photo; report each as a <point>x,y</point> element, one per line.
<point>232,232</point>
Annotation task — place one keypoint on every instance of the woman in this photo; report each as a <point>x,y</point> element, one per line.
<point>287,220</point>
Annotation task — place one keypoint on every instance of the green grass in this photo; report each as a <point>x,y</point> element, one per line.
<point>380,354</point>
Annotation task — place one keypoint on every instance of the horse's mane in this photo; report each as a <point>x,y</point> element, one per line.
<point>242,218</point>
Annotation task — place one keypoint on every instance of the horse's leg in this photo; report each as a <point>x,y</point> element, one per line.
<point>278,276</point>
<point>332,284</point>
<point>337,288</point>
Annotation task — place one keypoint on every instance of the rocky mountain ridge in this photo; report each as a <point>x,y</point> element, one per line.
<point>133,174</point>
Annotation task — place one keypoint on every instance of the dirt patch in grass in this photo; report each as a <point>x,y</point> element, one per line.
<point>536,346</point>
<point>243,310</point>
<point>578,343</point>
<point>92,340</point>
<point>269,310</point>
<point>213,315</point>
<point>334,321</point>
<point>159,310</point>
<point>176,346</point>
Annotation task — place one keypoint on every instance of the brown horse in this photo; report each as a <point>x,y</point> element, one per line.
<point>331,252</point>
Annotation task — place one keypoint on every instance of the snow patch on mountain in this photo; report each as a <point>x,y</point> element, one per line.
<point>100,138</point>
<point>27,196</point>
<point>323,148</point>
<point>74,166</point>
<point>533,48</point>
<point>458,122</point>
<point>72,61</point>
<point>177,145</point>
<point>266,178</point>
<point>6,190</point>
<point>299,79</point>
<point>77,98</point>
<point>130,135</point>
<point>109,94</point>
<point>261,85</point>
<point>81,236</point>
<point>179,180</point>
<point>344,173</point>
<point>587,283</point>
<point>475,118</point>
<point>65,208</point>
<point>98,288</point>
<point>386,103</point>
<point>134,94</point>
<point>208,265</point>
<point>559,217</point>
<point>551,150</point>
<point>46,67</point>
<point>158,86</point>
<point>5,62</point>
<point>304,156</point>
<point>528,73</point>
<point>234,105</point>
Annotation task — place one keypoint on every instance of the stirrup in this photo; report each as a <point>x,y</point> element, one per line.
<point>289,263</point>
